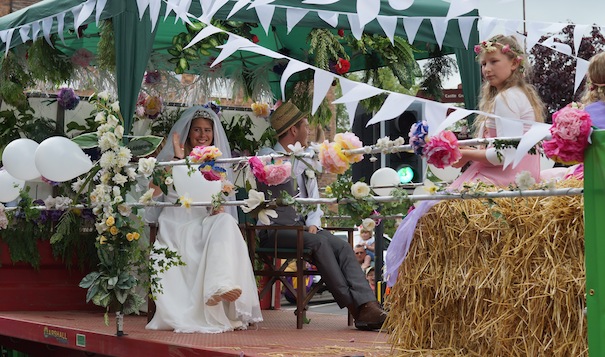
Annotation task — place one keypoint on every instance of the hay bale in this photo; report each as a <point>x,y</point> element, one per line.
<point>502,277</point>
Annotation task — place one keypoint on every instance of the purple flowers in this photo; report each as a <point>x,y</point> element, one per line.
<point>153,77</point>
<point>418,133</point>
<point>68,99</point>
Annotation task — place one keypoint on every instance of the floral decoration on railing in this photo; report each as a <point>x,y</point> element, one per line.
<point>332,156</point>
<point>272,174</point>
<point>68,99</point>
<point>570,131</point>
<point>261,110</point>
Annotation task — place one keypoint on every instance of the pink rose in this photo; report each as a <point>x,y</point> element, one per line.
<point>258,169</point>
<point>332,159</point>
<point>442,149</point>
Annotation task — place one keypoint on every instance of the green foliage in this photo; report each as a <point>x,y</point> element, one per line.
<point>241,138</point>
<point>13,81</point>
<point>27,228</point>
<point>358,208</point>
<point>47,63</point>
<point>161,125</point>
<point>15,124</point>
<point>181,56</point>
<point>438,68</point>
<point>302,97</point>
<point>326,47</point>
<point>106,51</point>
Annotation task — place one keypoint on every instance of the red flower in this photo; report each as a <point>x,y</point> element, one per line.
<point>341,32</point>
<point>342,66</point>
<point>254,38</point>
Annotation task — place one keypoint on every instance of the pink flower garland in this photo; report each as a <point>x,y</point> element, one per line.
<point>570,130</point>
<point>442,149</point>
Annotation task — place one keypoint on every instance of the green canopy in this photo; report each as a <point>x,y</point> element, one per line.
<point>136,42</point>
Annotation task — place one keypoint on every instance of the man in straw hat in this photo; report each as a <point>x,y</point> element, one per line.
<point>333,256</point>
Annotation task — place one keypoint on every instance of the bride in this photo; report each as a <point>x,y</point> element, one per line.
<point>216,290</point>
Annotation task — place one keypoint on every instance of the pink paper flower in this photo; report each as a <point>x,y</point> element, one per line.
<point>442,149</point>
<point>258,169</point>
<point>201,154</point>
<point>332,159</point>
<point>82,57</point>
<point>278,173</point>
<point>349,141</point>
<point>211,172</point>
<point>570,132</point>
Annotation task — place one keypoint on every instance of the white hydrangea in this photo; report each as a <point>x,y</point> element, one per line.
<point>62,203</point>
<point>49,202</point>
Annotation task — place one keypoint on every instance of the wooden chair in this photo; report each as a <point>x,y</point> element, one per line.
<point>275,260</point>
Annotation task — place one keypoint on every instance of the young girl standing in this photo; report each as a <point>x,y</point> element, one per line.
<point>506,93</point>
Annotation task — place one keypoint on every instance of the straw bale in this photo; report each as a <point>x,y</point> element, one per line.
<point>502,277</point>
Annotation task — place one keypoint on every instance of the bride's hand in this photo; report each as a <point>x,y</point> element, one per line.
<point>179,151</point>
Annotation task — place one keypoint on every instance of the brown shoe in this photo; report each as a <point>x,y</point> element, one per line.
<point>370,316</point>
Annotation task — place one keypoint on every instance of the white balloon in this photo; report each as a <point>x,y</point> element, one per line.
<point>18,159</point>
<point>60,159</point>
<point>385,176</point>
<point>195,186</point>
<point>446,174</point>
<point>9,186</point>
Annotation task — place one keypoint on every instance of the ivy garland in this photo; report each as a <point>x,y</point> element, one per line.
<point>13,81</point>
<point>47,63</point>
<point>106,47</point>
<point>500,145</point>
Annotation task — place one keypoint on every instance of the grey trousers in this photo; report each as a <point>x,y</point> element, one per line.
<point>335,261</point>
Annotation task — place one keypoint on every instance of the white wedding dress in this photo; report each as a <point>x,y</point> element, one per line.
<point>217,260</point>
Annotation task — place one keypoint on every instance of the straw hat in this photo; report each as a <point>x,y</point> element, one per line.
<point>285,116</point>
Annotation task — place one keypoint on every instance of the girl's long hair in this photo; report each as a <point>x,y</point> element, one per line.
<point>595,85</point>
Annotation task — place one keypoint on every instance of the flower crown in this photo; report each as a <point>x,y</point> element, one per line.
<point>492,46</point>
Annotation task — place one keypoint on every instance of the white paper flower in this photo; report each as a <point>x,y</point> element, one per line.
<point>120,179</point>
<point>263,216</point>
<point>77,185</point>
<point>112,120</point>
<point>146,166</point>
<point>62,203</point>
<point>100,118</point>
<point>428,188</point>
<point>297,148</point>
<point>168,181</point>
<point>123,156</point>
<point>49,202</point>
<point>147,197</point>
<point>131,173</point>
<point>360,189</point>
<point>108,141</point>
<point>186,201</point>
<point>254,199</point>
<point>125,210</point>
<point>524,180</point>
<point>103,95</point>
<point>119,131</point>
<point>115,106</point>
<point>310,173</point>
<point>368,224</point>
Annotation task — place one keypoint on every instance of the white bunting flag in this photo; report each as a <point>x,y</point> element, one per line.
<point>393,106</point>
<point>293,17</point>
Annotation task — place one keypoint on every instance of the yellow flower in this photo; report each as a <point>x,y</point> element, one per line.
<point>328,190</point>
<point>132,236</point>
<point>110,221</point>
<point>102,239</point>
<point>186,201</point>
<point>113,230</point>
